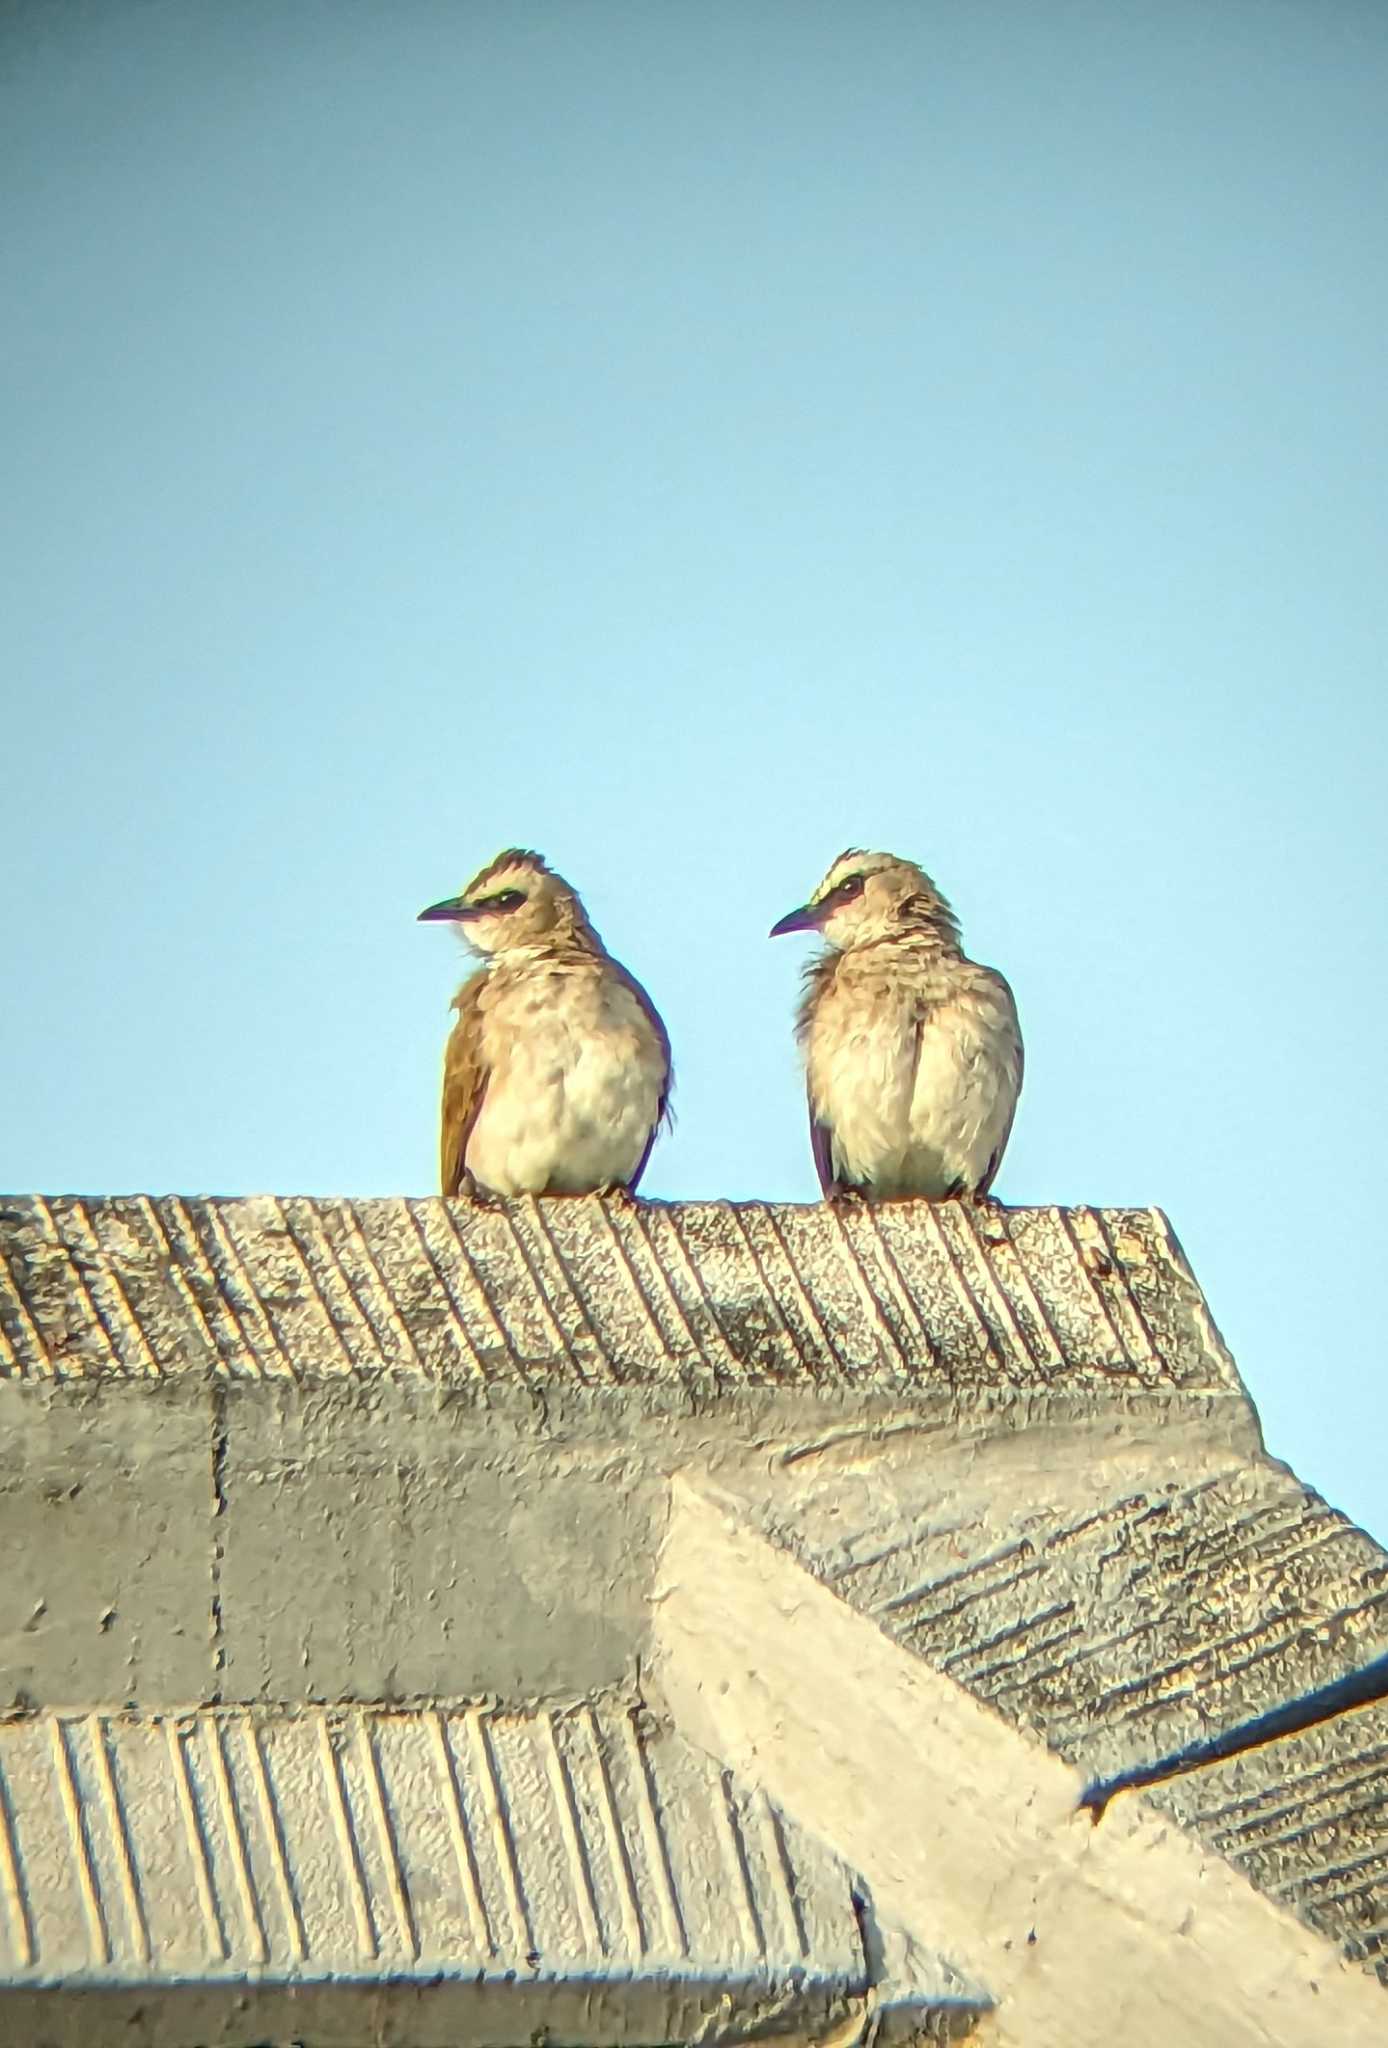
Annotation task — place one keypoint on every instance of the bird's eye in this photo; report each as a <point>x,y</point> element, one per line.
<point>849,887</point>
<point>505,899</point>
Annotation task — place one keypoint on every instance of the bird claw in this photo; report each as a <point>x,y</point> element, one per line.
<point>990,1217</point>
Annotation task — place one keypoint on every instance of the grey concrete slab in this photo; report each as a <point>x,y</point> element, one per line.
<point>575,1869</point>
<point>105,1518</point>
<point>1306,1819</point>
<point>456,1425</point>
<point>279,1465</point>
<point>448,1551</point>
<point>1084,1936</point>
<point>591,1292</point>
<point>1126,1598</point>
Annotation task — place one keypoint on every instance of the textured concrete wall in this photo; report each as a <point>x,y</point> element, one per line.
<point>457,1425</point>
<point>290,1483</point>
<point>550,1863</point>
<point>1122,1932</point>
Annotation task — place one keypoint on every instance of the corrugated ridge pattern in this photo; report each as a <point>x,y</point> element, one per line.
<point>365,1840</point>
<point>1110,1636</point>
<point>599,1292</point>
<point>1108,1632</point>
<point>1307,1820</point>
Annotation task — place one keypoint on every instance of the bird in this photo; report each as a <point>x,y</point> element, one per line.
<point>912,1051</point>
<point>557,1075</point>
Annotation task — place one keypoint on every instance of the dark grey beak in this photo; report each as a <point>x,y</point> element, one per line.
<point>444,913</point>
<point>805,919</point>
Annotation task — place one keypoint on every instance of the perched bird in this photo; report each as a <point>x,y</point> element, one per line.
<point>913,1054</point>
<point>557,1072</point>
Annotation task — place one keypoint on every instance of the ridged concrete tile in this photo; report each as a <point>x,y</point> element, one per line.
<point>358,1843</point>
<point>1136,1628</point>
<point>1085,1935</point>
<point>1151,1622</point>
<point>273,1449</point>
<point>600,1291</point>
<point>1306,1819</point>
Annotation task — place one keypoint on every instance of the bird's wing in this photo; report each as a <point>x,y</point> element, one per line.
<point>664,1115</point>
<point>1001,983</point>
<point>822,1146</point>
<point>465,1077</point>
<point>646,1153</point>
<point>818,976</point>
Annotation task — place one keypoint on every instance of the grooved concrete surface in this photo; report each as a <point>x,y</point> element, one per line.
<point>1125,1932</point>
<point>1307,1820</point>
<point>290,1490</point>
<point>1125,1599</point>
<point>365,1842</point>
<point>594,1292</point>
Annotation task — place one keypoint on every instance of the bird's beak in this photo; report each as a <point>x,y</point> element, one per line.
<point>444,913</point>
<point>805,919</point>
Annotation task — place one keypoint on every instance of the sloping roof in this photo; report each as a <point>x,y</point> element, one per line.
<point>290,1465</point>
<point>589,1292</point>
<point>1127,1629</point>
<point>963,1824</point>
<point>569,1857</point>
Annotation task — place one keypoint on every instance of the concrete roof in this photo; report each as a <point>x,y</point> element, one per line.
<point>589,1293</point>
<point>311,1481</point>
<point>548,1866</point>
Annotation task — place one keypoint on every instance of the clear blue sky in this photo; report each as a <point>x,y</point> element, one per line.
<point>689,438</point>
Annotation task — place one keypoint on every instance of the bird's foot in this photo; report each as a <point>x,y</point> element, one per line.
<point>990,1219</point>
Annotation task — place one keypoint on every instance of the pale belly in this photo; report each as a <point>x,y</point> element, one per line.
<point>920,1113</point>
<point>569,1117</point>
<point>961,1107</point>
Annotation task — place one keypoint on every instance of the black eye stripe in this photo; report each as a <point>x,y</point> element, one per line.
<point>505,899</point>
<point>842,892</point>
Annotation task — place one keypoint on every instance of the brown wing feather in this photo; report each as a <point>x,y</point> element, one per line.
<point>818,975</point>
<point>822,1147</point>
<point>664,1115</point>
<point>464,1085</point>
